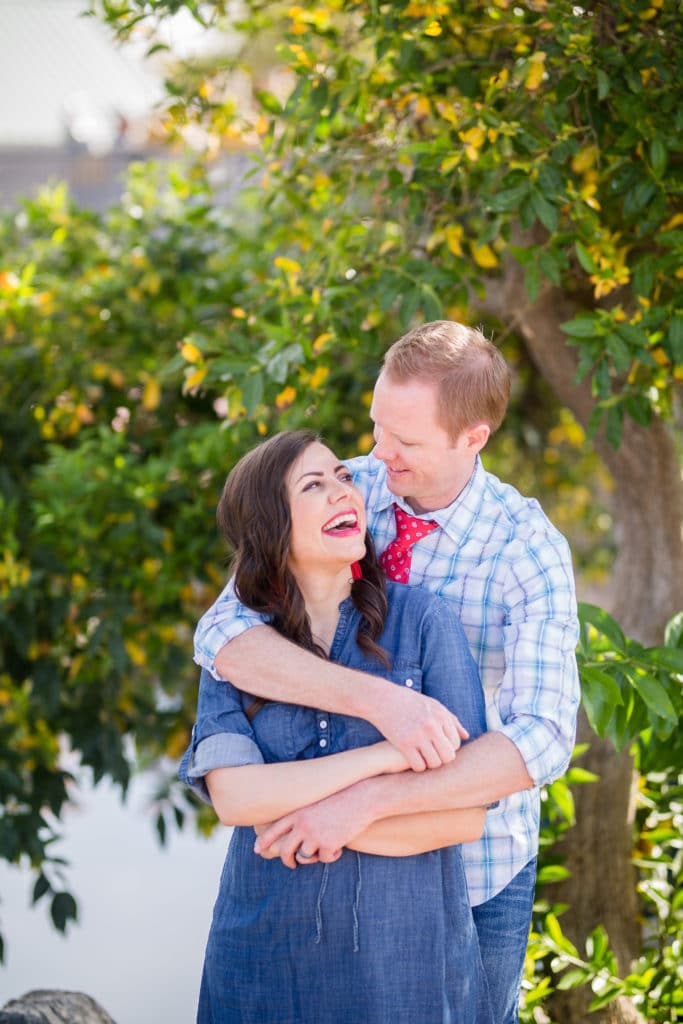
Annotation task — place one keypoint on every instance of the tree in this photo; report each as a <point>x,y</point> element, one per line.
<point>518,163</point>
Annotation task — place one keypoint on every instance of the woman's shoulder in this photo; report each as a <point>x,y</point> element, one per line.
<point>407,601</point>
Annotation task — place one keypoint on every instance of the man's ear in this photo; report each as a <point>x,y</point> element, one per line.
<point>476,437</point>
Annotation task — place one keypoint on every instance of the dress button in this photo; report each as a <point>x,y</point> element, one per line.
<point>323,742</point>
<point>409,682</point>
<point>323,723</point>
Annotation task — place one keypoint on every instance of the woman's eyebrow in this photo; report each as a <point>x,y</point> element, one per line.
<point>310,472</point>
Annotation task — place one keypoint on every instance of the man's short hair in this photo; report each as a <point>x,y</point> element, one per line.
<point>472,376</point>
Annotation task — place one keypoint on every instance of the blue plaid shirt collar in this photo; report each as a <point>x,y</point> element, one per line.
<point>456,519</point>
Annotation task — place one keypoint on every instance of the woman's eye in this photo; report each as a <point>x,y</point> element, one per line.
<point>311,484</point>
<point>345,478</point>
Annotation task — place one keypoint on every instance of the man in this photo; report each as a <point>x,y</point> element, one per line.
<point>495,556</point>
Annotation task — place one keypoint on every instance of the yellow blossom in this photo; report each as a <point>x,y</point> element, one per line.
<point>190,352</point>
<point>454,234</point>
<point>536,70</point>
<point>285,398</point>
<point>195,379</point>
<point>319,376</point>
<point>433,29</point>
<point>484,256</point>
<point>289,266</point>
<point>321,341</point>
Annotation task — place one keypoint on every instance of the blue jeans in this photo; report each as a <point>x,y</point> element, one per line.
<point>503,927</point>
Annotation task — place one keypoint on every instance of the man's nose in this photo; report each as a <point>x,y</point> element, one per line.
<point>382,449</point>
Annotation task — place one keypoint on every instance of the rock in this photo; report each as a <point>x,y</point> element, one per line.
<point>51,1006</point>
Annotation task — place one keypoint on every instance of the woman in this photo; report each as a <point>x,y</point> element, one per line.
<point>385,933</point>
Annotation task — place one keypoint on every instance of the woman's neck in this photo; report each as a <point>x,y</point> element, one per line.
<point>322,594</point>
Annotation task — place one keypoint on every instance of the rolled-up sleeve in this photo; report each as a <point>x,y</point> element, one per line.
<point>222,736</point>
<point>539,697</point>
<point>222,622</point>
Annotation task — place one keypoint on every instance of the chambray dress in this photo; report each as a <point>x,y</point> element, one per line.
<point>367,939</point>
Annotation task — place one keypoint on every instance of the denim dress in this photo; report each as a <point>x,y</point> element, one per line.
<point>367,939</point>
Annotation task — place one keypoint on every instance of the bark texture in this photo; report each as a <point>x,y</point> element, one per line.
<point>646,590</point>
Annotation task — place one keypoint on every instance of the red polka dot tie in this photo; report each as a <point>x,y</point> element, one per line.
<point>397,558</point>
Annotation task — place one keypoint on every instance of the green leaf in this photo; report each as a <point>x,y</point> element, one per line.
<point>572,978</point>
<point>269,102</point>
<point>604,84</point>
<point>615,422</point>
<point>654,695</point>
<point>40,888</point>
<point>673,634</point>
<point>552,873</point>
<point>560,793</point>
<point>545,211</point>
<point>620,352</point>
<point>584,326</point>
<point>585,258</point>
<point>604,623</point>
<point>675,337</point>
<point>409,306</point>
<point>552,926</point>
<point>63,909</point>
<point>606,996</point>
<point>658,157</point>
<point>669,658</point>
<point>644,278</point>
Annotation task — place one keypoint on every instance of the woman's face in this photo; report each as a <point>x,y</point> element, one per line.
<point>327,512</point>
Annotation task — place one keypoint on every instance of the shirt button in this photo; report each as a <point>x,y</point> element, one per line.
<point>323,723</point>
<point>323,742</point>
<point>409,682</point>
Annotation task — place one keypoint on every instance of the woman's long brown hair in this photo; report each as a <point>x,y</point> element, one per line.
<point>253,515</point>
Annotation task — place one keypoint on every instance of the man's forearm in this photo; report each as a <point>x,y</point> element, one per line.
<point>408,834</point>
<point>263,663</point>
<point>485,770</point>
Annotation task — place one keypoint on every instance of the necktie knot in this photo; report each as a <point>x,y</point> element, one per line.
<point>397,557</point>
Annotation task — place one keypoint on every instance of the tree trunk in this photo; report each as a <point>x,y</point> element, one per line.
<point>646,590</point>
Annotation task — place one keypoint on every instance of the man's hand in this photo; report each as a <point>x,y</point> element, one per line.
<point>427,733</point>
<point>321,830</point>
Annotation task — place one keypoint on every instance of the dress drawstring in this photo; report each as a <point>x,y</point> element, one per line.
<point>318,905</point>
<point>355,907</point>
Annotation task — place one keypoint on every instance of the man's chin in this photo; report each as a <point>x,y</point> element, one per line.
<point>398,483</point>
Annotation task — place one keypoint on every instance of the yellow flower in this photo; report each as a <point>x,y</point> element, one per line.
<point>285,398</point>
<point>190,352</point>
<point>433,29</point>
<point>484,256</point>
<point>534,75</point>
<point>319,376</point>
<point>289,266</point>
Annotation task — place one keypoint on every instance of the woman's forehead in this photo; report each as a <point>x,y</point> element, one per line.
<point>316,458</point>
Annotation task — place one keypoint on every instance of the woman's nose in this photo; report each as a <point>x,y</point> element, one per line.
<point>340,489</point>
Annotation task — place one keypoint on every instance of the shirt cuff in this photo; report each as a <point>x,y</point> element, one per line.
<point>222,750</point>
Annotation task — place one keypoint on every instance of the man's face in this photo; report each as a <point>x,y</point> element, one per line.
<point>424,465</point>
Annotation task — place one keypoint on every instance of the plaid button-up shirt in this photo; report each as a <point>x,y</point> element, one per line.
<point>507,572</point>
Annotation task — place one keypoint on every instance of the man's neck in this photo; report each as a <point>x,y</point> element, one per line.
<point>421,506</point>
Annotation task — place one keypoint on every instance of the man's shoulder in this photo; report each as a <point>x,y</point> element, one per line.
<point>520,517</point>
